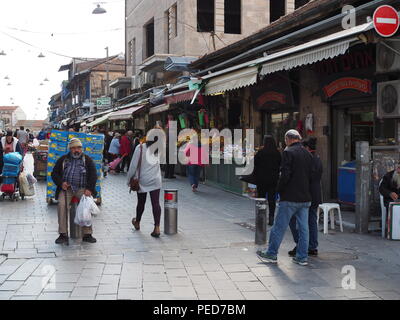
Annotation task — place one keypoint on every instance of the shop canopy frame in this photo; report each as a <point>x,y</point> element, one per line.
<point>125,114</point>
<point>313,51</point>
<point>99,121</point>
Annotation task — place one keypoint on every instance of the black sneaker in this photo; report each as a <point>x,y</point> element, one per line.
<point>62,239</point>
<point>313,252</point>
<point>266,257</point>
<point>89,238</point>
<point>300,262</point>
<point>293,252</point>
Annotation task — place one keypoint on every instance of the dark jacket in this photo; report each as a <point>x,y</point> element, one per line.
<point>387,187</point>
<point>316,191</point>
<point>296,174</point>
<point>91,178</point>
<point>266,168</point>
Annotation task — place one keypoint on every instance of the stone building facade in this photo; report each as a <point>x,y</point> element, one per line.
<point>192,28</point>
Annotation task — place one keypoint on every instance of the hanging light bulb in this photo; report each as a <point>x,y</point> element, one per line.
<point>2,53</point>
<point>41,83</point>
<point>9,84</point>
<point>45,79</point>
<point>41,55</point>
<point>99,10</point>
<point>6,78</point>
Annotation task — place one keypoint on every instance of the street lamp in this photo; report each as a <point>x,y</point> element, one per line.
<point>2,53</point>
<point>45,79</point>
<point>6,78</point>
<point>99,10</point>
<point>41,55</point>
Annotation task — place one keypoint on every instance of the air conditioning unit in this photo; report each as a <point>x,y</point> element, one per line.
<point>147,78</point>
<point>389,99</point>
<point>387,60</point>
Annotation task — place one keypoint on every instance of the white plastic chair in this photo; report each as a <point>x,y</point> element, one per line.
<point>329,208</point>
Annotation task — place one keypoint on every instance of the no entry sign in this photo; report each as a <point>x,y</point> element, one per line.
<point>386,21</point>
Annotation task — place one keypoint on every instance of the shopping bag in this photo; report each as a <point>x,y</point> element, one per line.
<point>83,216</point>
<point>113,165</point>
<point>31,179</point>
<point>24,186</point>
<point>94,209</point>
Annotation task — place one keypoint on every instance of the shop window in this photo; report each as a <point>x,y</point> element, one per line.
<point>233,16</point>
<point>300,3</point>
<point>149,33</point>
<point>277,9</point>
<point>205,15</point>
<point>234,114</point>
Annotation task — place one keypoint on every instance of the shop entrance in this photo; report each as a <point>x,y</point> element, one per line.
<point>349,125</point>
<point>277,124</point>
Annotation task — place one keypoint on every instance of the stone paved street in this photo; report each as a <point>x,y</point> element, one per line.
<point>212,257</point>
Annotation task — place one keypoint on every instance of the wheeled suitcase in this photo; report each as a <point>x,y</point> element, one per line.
<point>393,221</point>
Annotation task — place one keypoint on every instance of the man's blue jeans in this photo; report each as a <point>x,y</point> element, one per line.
<point>313,229</point>
<point>287,210</point>
<point>193,172</point>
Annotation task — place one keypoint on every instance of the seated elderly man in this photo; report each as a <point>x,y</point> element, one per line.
<point>390,186</point>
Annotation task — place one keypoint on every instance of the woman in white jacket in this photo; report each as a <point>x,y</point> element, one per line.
<point>149,174</point>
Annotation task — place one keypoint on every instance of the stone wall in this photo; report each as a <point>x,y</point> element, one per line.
<point>310,102</point>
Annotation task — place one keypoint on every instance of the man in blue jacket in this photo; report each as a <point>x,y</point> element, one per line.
<point>295,199</point>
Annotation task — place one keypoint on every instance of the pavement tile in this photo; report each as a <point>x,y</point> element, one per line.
<point>242,276</point>
<point>11,285</point>
<point>84,292</point>
<point>258,295</point>
<point>106,297</point>
<point>54,296</point>
<point>130,294</point>
<point>388,295</point>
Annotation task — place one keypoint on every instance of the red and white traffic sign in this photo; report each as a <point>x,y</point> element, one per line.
<point>386,21</point>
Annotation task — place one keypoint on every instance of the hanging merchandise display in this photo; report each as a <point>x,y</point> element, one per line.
<point>182,120</point>
<point>201,114</point>
<point>309,124</point>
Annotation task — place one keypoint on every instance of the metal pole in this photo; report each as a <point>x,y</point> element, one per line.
<point>170,211</point>
<point>108,75</point>
<point>74,229</point>
<point>363,180</point>
<point>261,221</point>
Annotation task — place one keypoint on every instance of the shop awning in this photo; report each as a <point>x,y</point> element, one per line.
<point>125,114</point>
<point>180,96</point>
<point>160,108</point>
<point>98,121</point>
<point>234,80</point>
<point>291,61</point>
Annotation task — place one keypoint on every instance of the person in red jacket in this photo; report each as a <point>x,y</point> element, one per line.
<point>125,149</point>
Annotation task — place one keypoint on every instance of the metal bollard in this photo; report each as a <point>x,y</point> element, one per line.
<point>261,221</point>
<point>170,211</point>
<point>75,231</point>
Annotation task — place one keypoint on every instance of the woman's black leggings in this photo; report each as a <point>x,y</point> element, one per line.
<point>155,203</point>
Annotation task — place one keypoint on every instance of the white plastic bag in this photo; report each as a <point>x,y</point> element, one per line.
<point>35,143</point>
<point>83,216</point>
<point>94,209</point>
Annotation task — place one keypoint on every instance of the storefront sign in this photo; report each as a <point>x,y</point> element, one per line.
<point>271,96</point>
<point>338,85</point>
<point>103,102</point>
<point>273,93</point>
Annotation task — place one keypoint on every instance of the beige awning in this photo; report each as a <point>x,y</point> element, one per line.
<point>160,108</point>
<point>234,80</point>
<point>125,114</point>
<point>98,121</point>
<point>287,60</point>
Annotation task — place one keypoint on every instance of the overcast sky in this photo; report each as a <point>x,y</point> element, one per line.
<point>67,27</point>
